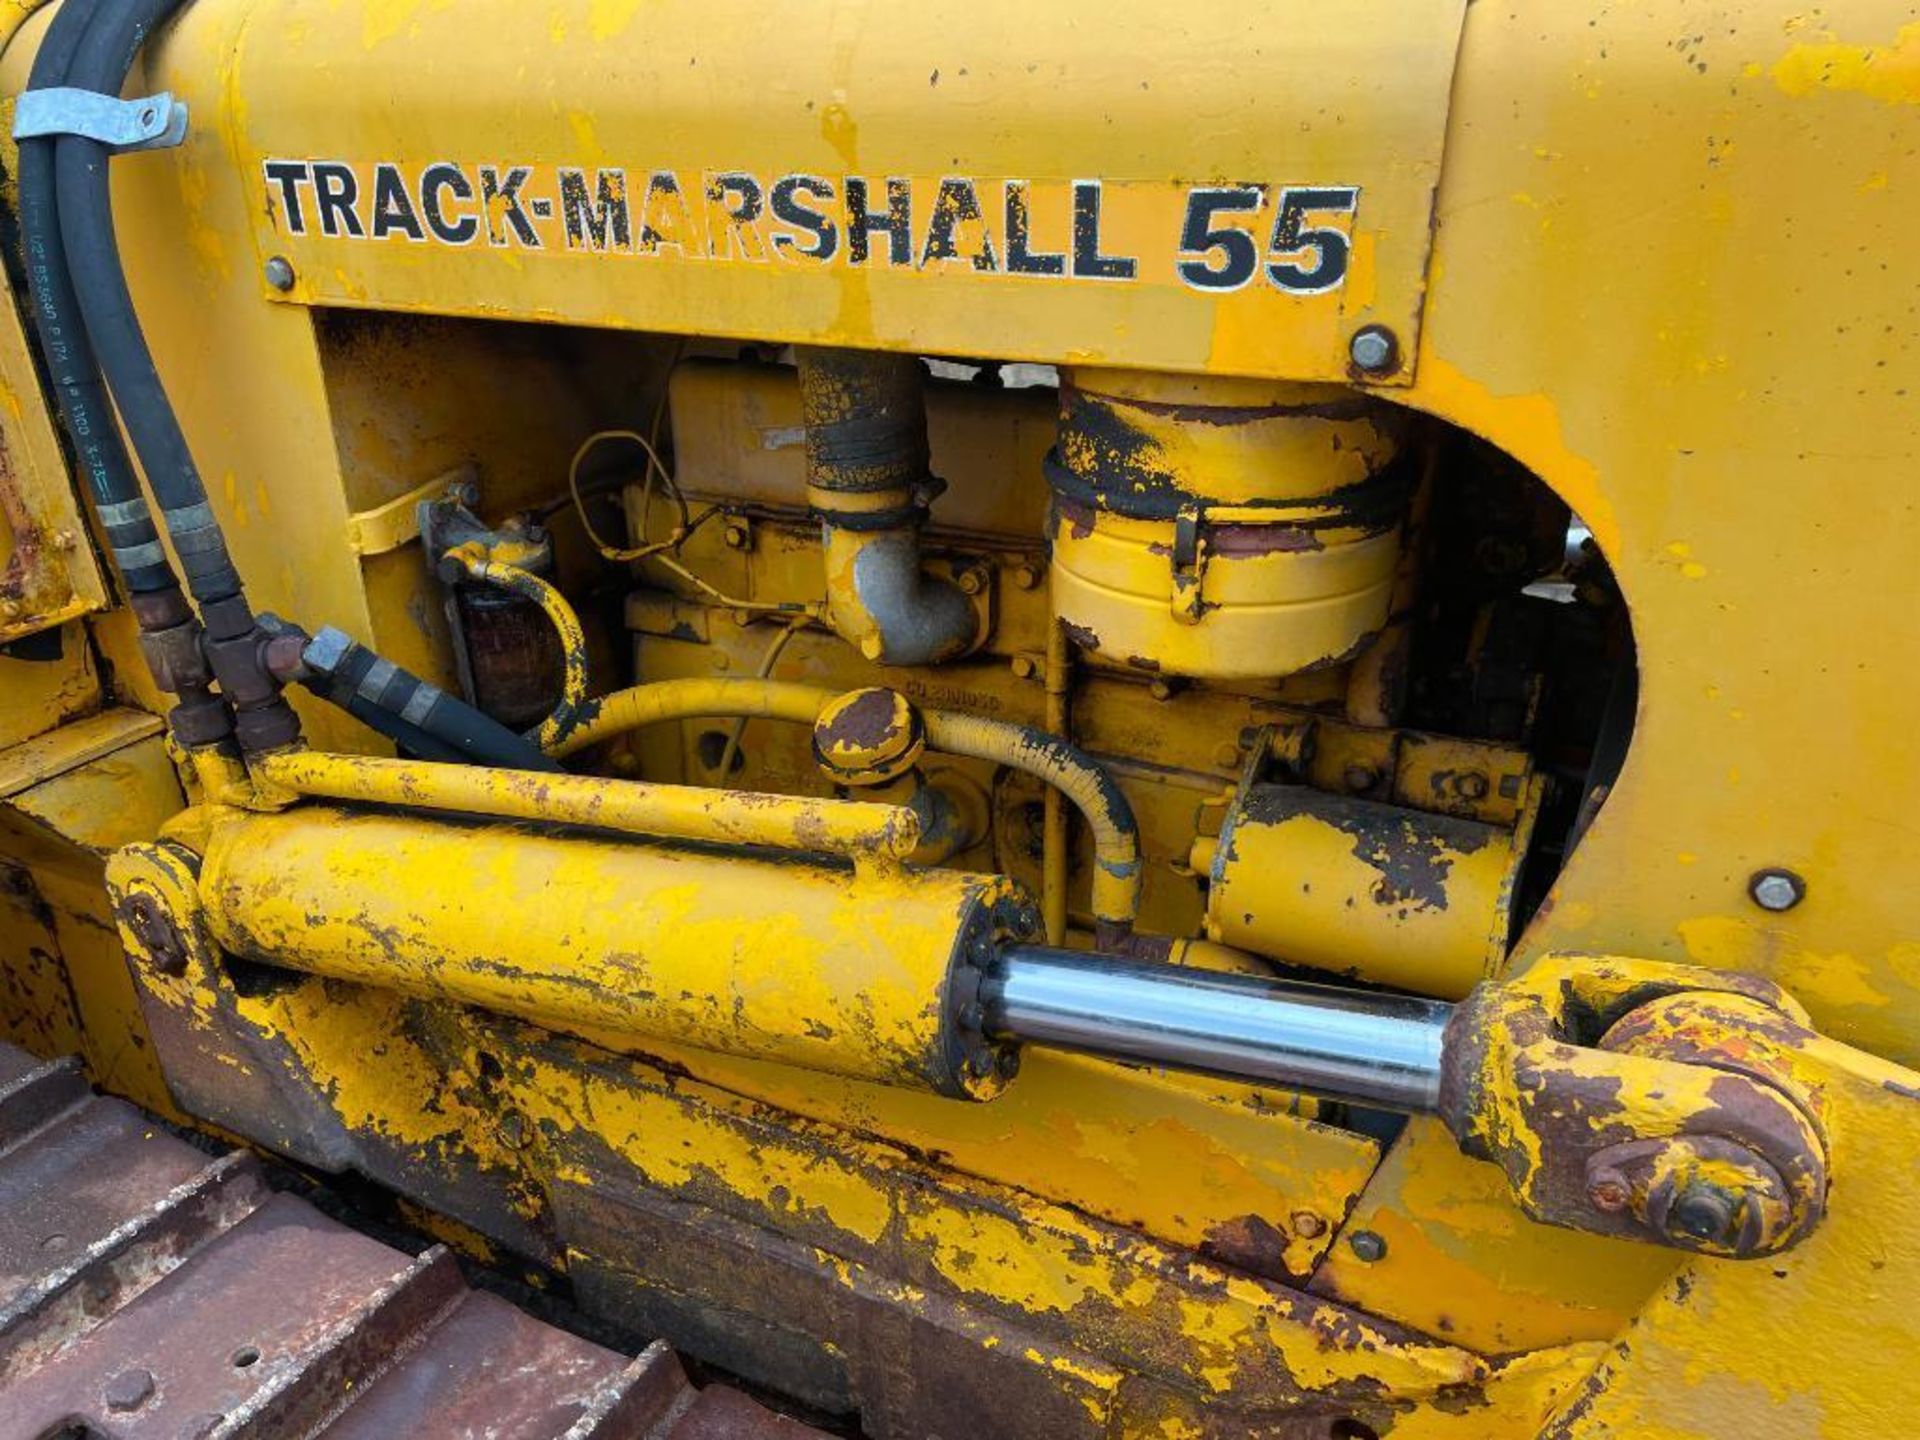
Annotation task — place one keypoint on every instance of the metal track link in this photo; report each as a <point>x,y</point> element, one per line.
<point>146,1291</point>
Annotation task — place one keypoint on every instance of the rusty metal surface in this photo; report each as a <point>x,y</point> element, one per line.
<point>148,1290</point>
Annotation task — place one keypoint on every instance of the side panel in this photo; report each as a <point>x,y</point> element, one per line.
<point>1674,275</point>
<point>1032,178</point>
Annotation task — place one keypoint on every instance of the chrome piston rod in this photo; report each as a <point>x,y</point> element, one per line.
<point>1380,1050</point>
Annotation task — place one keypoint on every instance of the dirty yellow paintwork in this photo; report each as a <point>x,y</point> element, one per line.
<point>1687,316</point>
<point>1213,527</point>
<point>830,114</point>
<point>1419,902</point>
<point>775,958</point>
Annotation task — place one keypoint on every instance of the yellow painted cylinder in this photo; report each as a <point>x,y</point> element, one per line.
<point>1222,528</point>
<point>1392,896</point>
<point>861,974</point>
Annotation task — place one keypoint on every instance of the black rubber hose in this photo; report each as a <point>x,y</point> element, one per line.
<point>411,739</point>
<point>404,708</point>
<point>73,373</point>
<point>85,207</point>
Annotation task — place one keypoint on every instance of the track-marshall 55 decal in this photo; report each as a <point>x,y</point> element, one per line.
<point>1209,237</point>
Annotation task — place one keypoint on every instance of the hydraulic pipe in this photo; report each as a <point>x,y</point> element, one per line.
<point>1092,791</point>
<point>1371,1049</point>
<point>474,560</point>
<point>852,829</point>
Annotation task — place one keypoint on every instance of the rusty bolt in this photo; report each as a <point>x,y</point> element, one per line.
<point>1374,349</point>
<point>1472,785</point>
<point>1307,1225</point>
<point>154,928</point>
<point>1367,1245</point>
<point>129,1390</point>
<point>1608,1190</point>
<point>736,535</point>
<point>1023,667</point>
<point>1776,889</point>
<point>1027,577</point>
<point>970,581</point>
<point>1360,776</point>
<point>279,273</point>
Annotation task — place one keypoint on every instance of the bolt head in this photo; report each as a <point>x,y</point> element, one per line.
<point>1367,1245</point>
<point>1374,349</point>
<point>1307,1225</point>
<point>279,273</point>
<point>971,582</point>
<point>1361,777</point>
<point>1027,577</point>
<point>1472,785</point>
<point>1023,667</point>
<point>1609,1192</point>
<point>1776,890</point>
<point>736,536</point>
<point>129,1390</point>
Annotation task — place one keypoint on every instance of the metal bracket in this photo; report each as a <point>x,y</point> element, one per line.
<point>158,122</point>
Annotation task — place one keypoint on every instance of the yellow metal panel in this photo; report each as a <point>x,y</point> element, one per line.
<point>1056,99</point>
<point>41,691</point>
<point>1812,1344</point>
<point>1691,317</point>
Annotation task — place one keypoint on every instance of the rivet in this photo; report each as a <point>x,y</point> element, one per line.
<point>1367,1245</point>
<point>1776,889</point>
<point>279,273</point>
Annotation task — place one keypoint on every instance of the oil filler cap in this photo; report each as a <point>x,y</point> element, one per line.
<point>868,737</point>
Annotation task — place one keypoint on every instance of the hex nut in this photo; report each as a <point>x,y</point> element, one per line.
<point>1374,349</point>
<point>1367,1245</point>
<point>1776,889</point>
<point>128,1390</point>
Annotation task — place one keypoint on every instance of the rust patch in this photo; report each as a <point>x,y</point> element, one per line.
<point>1252,1244</point>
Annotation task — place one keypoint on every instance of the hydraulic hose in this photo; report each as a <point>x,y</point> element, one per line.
<point>405,708</point>
<point>99,283</point>
<point>232,644</point>
<point>73,373</point>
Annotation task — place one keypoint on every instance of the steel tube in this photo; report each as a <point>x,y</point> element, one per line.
<point>1372,1049</point>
